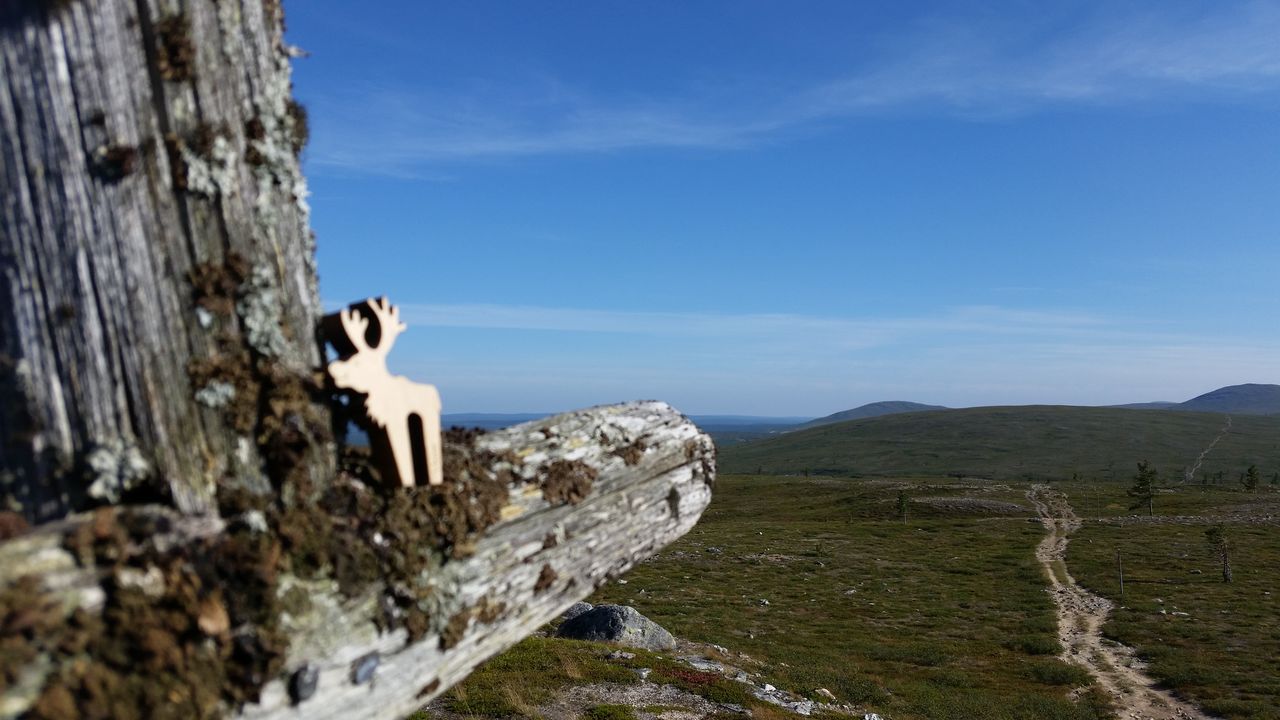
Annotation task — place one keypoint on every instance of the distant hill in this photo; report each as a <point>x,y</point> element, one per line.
<point>1247,399</point>
<point>870,410</point>
<point>1157,405</point>
<point>1038,441</point>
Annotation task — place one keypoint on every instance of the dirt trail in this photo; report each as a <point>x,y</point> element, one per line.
<point>1080,617</point>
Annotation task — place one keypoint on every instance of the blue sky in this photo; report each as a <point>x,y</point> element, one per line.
<point>783,208</point>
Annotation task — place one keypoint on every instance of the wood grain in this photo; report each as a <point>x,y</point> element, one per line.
<point>142,142</point>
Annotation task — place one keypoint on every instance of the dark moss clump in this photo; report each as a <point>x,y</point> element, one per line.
<point>174,53</point>
<point>567,481</point>
<point>446,518</point>
<point>416,529</point>
<point>233,367</point>
<point>546,579</point>
<point>290,426</point>
<point>12,524</point>
<point>112,163</point>
<point>490,611</point>
<point>301,130</point>
<point>27,615</point>
<point>455,630</point>
<point>204,138</point>
<point>275,406</point>
<point>171,642</point>
<point>631,453</point>
<point>254,131</point>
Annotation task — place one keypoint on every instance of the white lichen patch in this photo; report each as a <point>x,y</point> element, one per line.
<point>277,176</point>
<point>116,466</point>
<point>215,174</point>
<point>229,22</point>
<point>260,310</point>
<point>216,394</point>
<point>204,317</point>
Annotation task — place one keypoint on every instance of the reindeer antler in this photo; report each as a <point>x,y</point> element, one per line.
<point>389,323</point>
<point>355,324</point>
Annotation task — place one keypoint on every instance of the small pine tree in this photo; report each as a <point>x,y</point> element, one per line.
<point>1251,478</point>
<point>1144,487</point>
<point>902,504</point>
<point>1220,545</point>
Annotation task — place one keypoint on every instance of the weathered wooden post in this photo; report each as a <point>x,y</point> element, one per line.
<point>157,282</point>
<point>199,549</point>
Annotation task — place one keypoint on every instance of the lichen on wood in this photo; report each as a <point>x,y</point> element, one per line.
<point>128,166</point>
<point>432,579</point>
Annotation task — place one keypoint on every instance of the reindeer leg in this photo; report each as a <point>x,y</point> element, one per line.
<point>402,450</point>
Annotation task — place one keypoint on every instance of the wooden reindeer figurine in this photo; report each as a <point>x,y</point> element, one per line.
<point>394,403</point>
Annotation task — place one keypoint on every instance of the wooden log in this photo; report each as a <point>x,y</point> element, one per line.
<point>157,270</point>
<point>589,494</point>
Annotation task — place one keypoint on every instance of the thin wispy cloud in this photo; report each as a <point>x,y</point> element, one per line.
<point>804,363</point>
<point>974,67</point>
<point>968,319</point>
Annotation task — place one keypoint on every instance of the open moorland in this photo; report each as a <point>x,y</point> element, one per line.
<point>926,598</point>
<point>1213,642</point>
<point>966,564</point>
<point>1020,443</point>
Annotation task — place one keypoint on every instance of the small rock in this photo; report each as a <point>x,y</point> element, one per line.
<point>703,664</point>
<point>622,582</point>
<point>621,655</point>
<point>644,673</point>
<point>1196,571</point>
<point>364,666</point>
<point>763,602</point>
<point>620,624</point>
<point>870,716</point>
<point>768,688</point>
<point>303,683</point>
<point>734,709</point>
<point>823,692</point>
<point>575,610</point>
<point>803,707</point>
<point>725,651</point>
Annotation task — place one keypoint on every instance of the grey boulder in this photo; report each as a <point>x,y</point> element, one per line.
<point>575,610</point>
<point>617,624</point>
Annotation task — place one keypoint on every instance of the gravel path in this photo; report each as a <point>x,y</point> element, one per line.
<point>1081,614</point>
